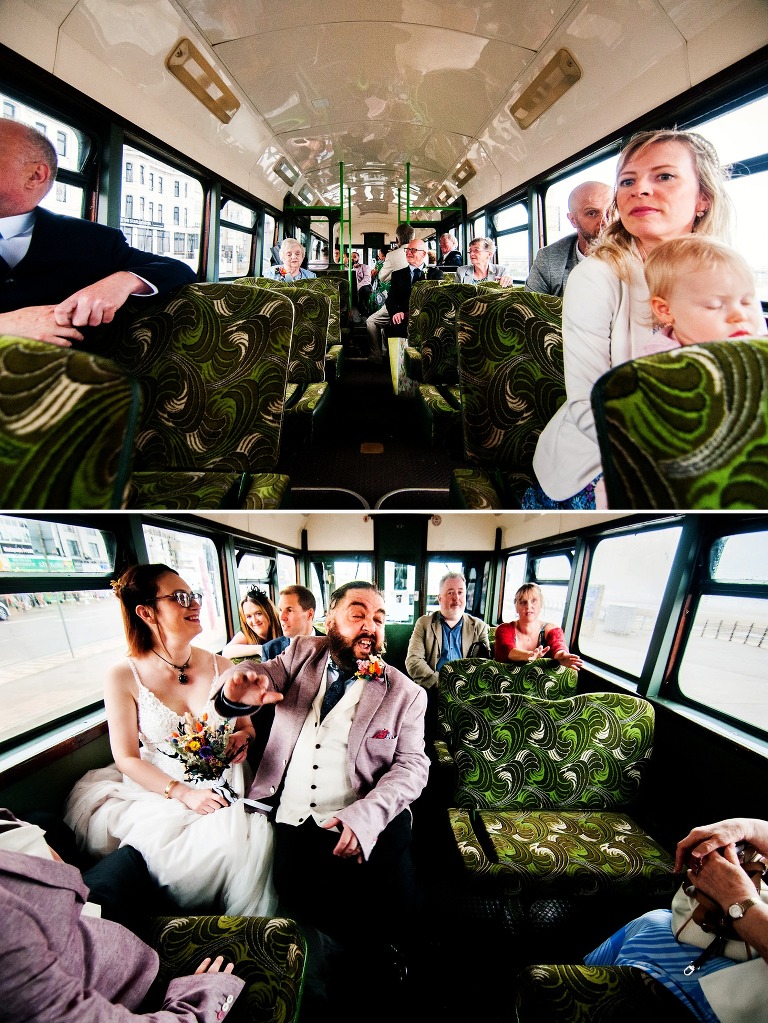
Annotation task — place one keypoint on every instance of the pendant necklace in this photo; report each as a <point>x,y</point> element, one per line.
<point>181,668</point>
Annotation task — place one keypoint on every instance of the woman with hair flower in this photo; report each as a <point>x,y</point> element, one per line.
<point>179,765</point>
<point>259,622</point>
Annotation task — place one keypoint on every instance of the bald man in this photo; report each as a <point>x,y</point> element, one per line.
<point>588,206</point>
<point>59,274</point>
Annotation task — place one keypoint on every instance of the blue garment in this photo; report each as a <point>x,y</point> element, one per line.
<point>273,274</point>
<point>649,944</point>
<point>273,647</point>
<point>534,497</point>
<point>451,647</point>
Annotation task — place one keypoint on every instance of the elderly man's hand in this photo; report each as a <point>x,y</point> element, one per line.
<point>99,302</point>
<point>39,323</point>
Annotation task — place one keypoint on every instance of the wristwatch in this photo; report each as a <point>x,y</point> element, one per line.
<point>738,909</point>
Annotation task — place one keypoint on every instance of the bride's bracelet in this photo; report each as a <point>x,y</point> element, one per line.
<point>169,787</point>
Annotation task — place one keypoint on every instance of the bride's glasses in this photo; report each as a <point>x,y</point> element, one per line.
<point>182,597</point>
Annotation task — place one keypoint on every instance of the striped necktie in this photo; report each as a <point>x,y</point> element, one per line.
<point>337,685</point>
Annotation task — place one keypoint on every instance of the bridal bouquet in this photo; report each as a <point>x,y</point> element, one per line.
<point>201,748</point>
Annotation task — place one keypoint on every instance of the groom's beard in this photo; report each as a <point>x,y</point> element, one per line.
<point>343,653</point>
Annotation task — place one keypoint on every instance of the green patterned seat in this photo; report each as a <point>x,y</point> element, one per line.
<point>334,352</point>
<point>595,994</point>
<point>542,787</point>
<point>687,428</point>
<point>212,361</point>
<point>340,280</point>
<point>269,955</point>
<point>67,426</point>
<point>512,383</point>
<point>463,680</point>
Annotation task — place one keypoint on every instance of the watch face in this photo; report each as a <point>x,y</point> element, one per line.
<point>735,911</point>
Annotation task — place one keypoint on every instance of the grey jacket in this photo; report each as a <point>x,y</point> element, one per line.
<point>552,265</point>
<point>426,645</point>
<point>466,274</point>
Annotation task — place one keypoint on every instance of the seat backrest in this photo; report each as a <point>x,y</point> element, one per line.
<point>67,426</point>
<point>511,377</point>
<point>519,753</point>
<point>467,678</point>
<point>687,428</point>
<point>341,279</point>
<point>212,361</point>
<point>432,328</point>
<point>328,286</point>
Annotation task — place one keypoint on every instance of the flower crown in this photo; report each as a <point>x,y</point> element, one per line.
<point>370,670</point>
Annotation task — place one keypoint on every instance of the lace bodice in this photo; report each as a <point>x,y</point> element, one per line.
<point>157,722</point>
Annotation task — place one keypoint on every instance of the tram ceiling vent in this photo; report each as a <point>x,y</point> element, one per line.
<point>558,75</point>
<point>195,72</point>
<point>286,171</point>
<point>463,173</point>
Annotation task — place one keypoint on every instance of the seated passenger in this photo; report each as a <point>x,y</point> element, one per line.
<point>178,770</point>
<point>399,296</point>
<point>444,635</point>
<point>482,269</point>
<point>289,269</point>
<point>60,963</point>
<point>59,274</point>
<point>528,638</point>
<point>363,278</point>
<point>296,607</point>
<point>395,259</point>
<point>669,185</point>
<point>719,988</point>
<point>258,625</point>
<point>450,257</point>
<point>700,291</point>
<point>588,205</point>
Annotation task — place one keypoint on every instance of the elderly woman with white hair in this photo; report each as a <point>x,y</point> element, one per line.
<point>482,269</point>
<point>292,254</point>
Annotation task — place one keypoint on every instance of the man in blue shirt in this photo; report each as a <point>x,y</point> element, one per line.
<point>296,609</point>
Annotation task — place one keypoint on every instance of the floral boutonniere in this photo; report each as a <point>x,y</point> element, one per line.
<point>370,670</point>
<point>282,271</point>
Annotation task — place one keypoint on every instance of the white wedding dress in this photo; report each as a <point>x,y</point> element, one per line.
<point>211,863</point>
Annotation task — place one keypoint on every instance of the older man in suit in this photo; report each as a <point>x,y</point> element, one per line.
<point>588,205</point>
<point>344,761</point>
<point>399,296</point>
<point>62,963</point>
<point>60,274</point>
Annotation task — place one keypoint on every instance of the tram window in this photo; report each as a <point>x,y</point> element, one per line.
<point>72,148</point>
<point>150,231</point>
<point>728,629</point>
<point>286,570</point>
<point>740,136</point>
<point>435,572</point>
<point>254,570</point>
<point>399,591</point>
<point>330,573</point>
<point>552,573</point>
<point>235,238</point>
<point>512,253</point>
<point>626,585</point>
<point>514,577</point>
<point>57,644</point>
<point>270,239</point>
<point>556,222</point>
<point>194,558</point>
<point>477,227</point>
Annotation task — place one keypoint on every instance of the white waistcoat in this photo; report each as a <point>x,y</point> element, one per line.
<point>317,780</point>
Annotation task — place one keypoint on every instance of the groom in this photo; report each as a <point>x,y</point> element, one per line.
<point>345,759</point>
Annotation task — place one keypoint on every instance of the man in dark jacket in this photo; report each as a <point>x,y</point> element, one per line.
<point>403,280</point>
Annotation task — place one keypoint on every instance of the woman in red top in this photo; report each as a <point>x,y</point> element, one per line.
<point>529,638</point>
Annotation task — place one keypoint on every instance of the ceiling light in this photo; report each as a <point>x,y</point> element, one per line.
<point>286,171</point>
<point>549,85</point>
<point>320,104</point>
<point>306,196</point>
<point>196,73</point>
<point>444,196</point>
<point>463,174</point>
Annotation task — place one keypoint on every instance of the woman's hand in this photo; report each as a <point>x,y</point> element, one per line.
<point>202,801</point>
<point>505,280</point>
<point>569,660</point>
<point>722,878</point>
<point>237,747</point>
<point>540,651</point>
<point>206,966</point>
<point>699,842</point>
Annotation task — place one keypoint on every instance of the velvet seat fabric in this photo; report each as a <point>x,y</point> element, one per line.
<point>67,425</point>
<point>687,428</point>
<point>512,383</point>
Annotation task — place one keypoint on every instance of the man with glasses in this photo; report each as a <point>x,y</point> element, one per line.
<point>399,296</point>
<point>395,260</point>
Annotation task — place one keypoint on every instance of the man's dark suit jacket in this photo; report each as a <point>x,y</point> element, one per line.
<point>400,288</point>
<point>453,258</point>
<point>67,254</point>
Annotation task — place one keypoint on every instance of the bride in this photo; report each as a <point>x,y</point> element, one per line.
<point>212,856</point>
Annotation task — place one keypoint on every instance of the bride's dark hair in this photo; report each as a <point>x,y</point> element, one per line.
<point>137,585</point>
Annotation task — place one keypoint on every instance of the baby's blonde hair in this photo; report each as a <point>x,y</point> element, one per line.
<point>669,261</point>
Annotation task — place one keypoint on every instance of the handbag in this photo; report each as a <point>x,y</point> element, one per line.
<point>700,921</point>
